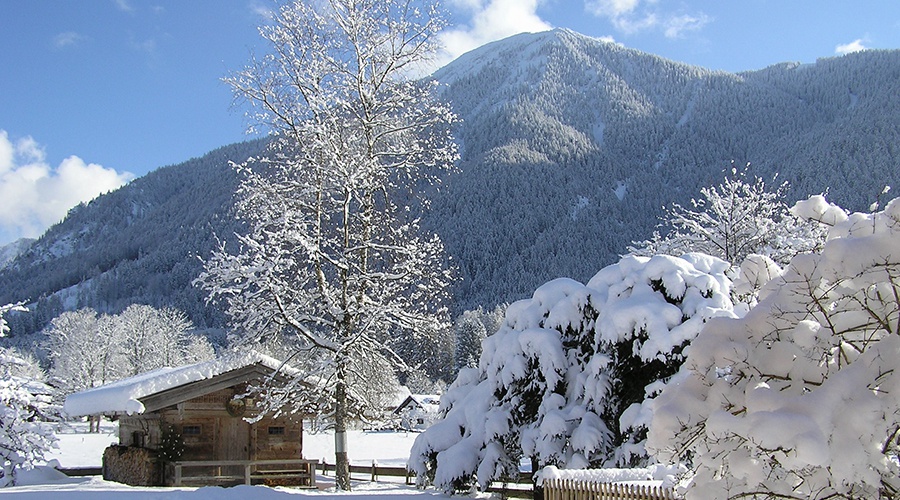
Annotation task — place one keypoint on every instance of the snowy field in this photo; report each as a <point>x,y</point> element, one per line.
<point>77,448</point>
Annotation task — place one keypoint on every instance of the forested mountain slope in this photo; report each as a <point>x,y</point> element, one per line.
<point>138,244</point>
<point>571,147</point>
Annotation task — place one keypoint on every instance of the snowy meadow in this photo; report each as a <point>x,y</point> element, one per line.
<point>78,448</point>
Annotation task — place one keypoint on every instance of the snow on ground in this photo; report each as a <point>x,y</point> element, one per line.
<point>41,484</point>
<point>387,448</point>
<point>78,448</point>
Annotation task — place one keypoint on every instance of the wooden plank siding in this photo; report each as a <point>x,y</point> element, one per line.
<point>213,434</point>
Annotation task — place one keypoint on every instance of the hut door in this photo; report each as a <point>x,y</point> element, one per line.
<point>234,442</point>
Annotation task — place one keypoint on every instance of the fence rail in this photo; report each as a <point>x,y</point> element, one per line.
<point>81,471</point>
<point>224,471</point>
<point>520,487</point>
<point>372,472</point>
<point>571,489</point>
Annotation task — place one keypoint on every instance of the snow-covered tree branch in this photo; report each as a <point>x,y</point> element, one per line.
<point>801,397</point>
<point>26,411</point>
<point>4,328</point>
<point>733,220</point>
<point>329,254</point>
<point>567,379</point>
<point>87,350</point>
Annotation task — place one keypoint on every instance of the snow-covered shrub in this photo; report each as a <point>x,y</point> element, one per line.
<point>171,445</point>
<point>800,398</point>
<point>25,415</point>
<point>553,382</point>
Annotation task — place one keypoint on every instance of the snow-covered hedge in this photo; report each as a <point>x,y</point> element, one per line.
<point>553,382</point>
<point>800,398</point>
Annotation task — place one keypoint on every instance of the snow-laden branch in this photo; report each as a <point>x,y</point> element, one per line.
<point>812,370</point>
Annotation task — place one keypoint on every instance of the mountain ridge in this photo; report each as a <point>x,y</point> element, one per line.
<point>570,145</point>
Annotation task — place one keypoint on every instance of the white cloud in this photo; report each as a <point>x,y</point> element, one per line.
<point>610,8</point>
<point>34,195</point>
<point>489,20</point>
<point>124,5</point>
<point>677,25</point>
<point>67,38</point>
<point>854,46</point>
<point>630,24</point>
<point>634,16</point>
<point>263,11</point>
<point>148,45</point>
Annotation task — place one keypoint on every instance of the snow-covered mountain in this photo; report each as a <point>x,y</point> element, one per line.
<point>11,250</point>
<point>139,244</point>
<point>571,147</point>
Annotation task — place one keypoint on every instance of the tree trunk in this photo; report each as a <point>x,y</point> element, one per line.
<point>341,460</point>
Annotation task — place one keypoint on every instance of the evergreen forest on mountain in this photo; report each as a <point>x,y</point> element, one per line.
<point>571,148</point>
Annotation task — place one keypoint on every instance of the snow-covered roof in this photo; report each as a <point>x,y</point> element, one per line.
<point>426,399</point>
<point>123,396</point>
<point>401,396</point>
<point>427,402</point>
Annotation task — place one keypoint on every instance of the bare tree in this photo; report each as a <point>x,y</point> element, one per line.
<point>152,338</point>
<point>733,220</point>
<point>85,350</point>
<point>330,255</point>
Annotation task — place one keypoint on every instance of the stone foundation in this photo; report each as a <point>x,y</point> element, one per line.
<point>131,465</point>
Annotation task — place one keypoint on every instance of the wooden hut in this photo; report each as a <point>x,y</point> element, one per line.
<point>195,425</point>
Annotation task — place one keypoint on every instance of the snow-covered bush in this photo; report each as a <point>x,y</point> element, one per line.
<point>553,382</point>
<point>800,398</point>
<point>25,415</point>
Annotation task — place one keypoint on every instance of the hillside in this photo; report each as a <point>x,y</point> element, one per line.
<point>571,147</point>
<point>139,244</point>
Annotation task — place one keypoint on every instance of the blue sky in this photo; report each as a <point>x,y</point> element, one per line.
<point>96,92</point>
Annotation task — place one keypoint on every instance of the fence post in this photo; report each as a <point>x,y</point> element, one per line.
<point>374,472</point>
<point>247,474</point>
<point>177,474</point>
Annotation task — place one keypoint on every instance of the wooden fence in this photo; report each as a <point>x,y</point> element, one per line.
<point>371,472</point>
<point>521,487</point>
<point>301,472</point>
<point>571,489</point>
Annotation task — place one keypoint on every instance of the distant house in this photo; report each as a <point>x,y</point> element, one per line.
<point>189,425</point>
<point>418,411</point>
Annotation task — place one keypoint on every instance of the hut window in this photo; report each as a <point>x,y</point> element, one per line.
<point>276,430</point>
<point>190,430</point>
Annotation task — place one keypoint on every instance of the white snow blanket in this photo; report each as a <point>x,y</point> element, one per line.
<point>124,395</point>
